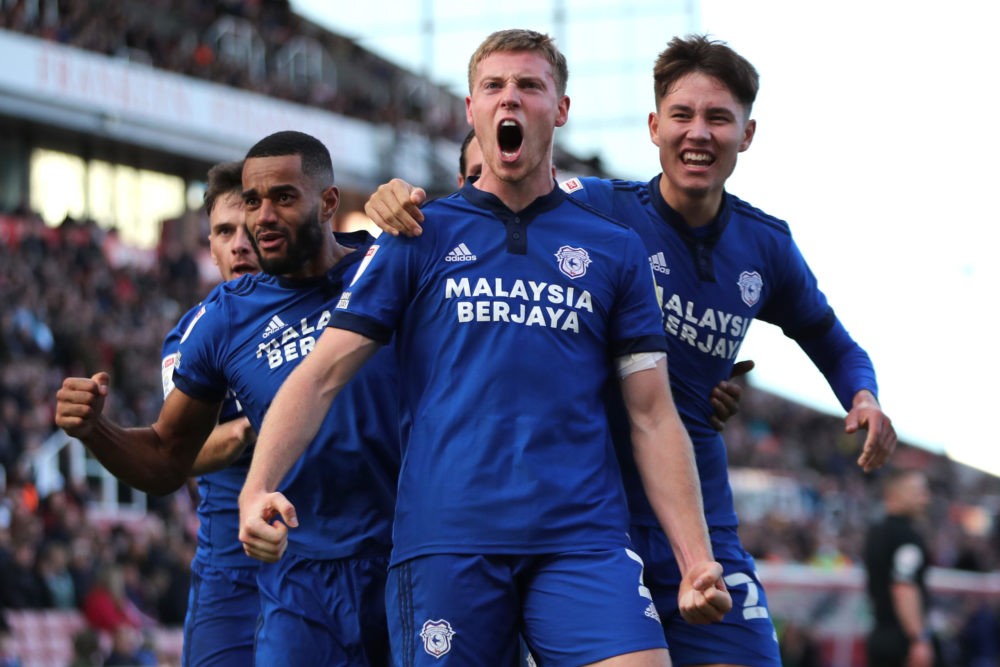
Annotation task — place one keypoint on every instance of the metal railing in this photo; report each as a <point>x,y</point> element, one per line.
<point>63,461</point>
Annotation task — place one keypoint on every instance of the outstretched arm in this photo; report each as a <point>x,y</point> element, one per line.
<point>395,207</point>
<point>665,459</point>
<point>290,425</point>
<point>155,459</point>
<point>849,370</point>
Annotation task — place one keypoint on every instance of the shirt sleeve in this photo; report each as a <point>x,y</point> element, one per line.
<point>907,559</point>
<point>384,284</point>
<point>170,351</point>
<point>591,190</point>
<point>168,359</point>
<point>845,365</point>
<point>637,322</point>
<point>198,370</point>
<point>802,311</point>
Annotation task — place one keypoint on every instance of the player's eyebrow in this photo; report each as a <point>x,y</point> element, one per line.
<point>722,110</point>
<point>272,191</point>
<point>714,110</point>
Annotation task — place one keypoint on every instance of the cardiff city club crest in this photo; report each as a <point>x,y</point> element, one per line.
<point>437,637</point>
<point>573,261</point>
<point>750,284</point>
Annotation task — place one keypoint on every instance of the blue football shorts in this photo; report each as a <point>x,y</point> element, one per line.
<point>223,606</point>
<point>745,636</point>
<point>571,608</point>
<point>323,612</point>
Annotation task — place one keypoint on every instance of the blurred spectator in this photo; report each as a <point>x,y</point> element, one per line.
<point>61,516</point>
<point>129,650</point>
<point>979,636</point>
<point>87,649</point>
<point>798,646</point>
<point>174,579</point>
<point>83,564</point>
<point>53,571</point>
<point>106,606</point>
<point>20,586</point>
<point>180,274</point>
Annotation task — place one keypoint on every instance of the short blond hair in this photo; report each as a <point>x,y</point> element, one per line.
<point>516,39</point>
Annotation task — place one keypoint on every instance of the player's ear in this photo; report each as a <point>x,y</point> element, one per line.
<point>562,115</point>
<point>331,201</point>
<point>748,132</point>
<point>654,128</point>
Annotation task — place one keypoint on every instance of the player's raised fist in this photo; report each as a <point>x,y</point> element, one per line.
<point>80,402</point>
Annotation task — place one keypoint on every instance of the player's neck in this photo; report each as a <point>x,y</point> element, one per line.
<point>697,209</point>
<point>334,252</point>
<point>517,195</point>
<point>329,255</point>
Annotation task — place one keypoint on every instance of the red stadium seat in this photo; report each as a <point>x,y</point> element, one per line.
<point>44,638</point>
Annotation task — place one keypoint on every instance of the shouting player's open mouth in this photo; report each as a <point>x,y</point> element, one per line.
<point>509,138</point>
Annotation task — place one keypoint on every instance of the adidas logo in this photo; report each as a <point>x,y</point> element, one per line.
<point>460,253</point>
<point>273,327</point>
<point>659,263</point>
<point>652,613</point>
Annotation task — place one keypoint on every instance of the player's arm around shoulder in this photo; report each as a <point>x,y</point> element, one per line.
<point>394,207</point>
<point>664,457</point>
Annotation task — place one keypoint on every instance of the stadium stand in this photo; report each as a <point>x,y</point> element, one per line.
<point>260,46</point>
<point>44,638</point>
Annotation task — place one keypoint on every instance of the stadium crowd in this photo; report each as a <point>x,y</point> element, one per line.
<point>258,46</point>
<point>67,308</point>
<point>72,308</point>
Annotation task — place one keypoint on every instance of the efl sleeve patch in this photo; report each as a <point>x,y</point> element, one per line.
<point>364,263</point>
<point>571,185</point>
<point>167,372</point>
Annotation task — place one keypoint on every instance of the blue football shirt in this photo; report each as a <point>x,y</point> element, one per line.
<point>507,324</point>
<point>713,282</point>
<point>249,338</point>
<point>218,508</point>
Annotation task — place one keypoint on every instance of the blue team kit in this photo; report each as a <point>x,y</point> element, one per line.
<point>246,338</point>
<point>507,323</point>
<point>712,282</point>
